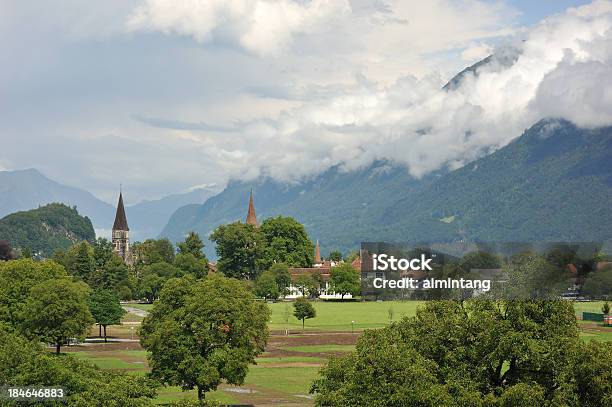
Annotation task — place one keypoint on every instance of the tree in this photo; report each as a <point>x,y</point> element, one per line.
<point>105,308</point>
<point>153,251</point>
<point>335,255</point>
<point>281,274</point>
<point>605,308</point>
<point>17,277</point>
<point>303,310</point>
<point>202,332</point>
<point>190,264</point>
<point>344,279</point>
<point>83,266</point>
<point>240,249</point>
<point>266,287</point>
<point>57,310</point>
<point>192,245</point>
<point>509,353</point>
<point>306,284</point>
<point>6,253</point>
<point>150,286</point>
<point>26,363</point>
<point>598,284</point>
<point>102,252</point>
<point>286,242</point>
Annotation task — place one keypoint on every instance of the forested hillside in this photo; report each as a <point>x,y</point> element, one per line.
<point>46,229</point>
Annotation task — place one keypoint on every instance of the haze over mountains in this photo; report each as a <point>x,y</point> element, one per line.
<point>23,190</point>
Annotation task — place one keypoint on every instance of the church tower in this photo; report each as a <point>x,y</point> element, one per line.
<point>251,218</point>
<point>121,232</point>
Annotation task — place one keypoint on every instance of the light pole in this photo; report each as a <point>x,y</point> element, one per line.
<point>352,327</point>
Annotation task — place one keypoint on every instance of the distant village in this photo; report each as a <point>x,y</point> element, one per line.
<point>321,267</point>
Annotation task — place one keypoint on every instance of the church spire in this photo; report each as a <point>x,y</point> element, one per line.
<point>120,218</point>
<point>251,218</point>
<point>318,254</point>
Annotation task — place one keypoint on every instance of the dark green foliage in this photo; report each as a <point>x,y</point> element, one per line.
<point>6,252</point>
<point>105,308</point>
<point>192,245</point>
<point>286,242</point>
<point>476,353</point>
<point>306,285</point>
<point>153,251</point>
<point>25,363</point>
<point>303,310</point>
<point>605,309</point>
<point>335,255</point>
<point>345,280</point>
<point>189,264</point>
<point>46,229</point>
<point>17,278</point>
<point>282,277</point>
<point>203,332</point>
<point>598,284</point>
<point>240,249</point>
<point>56,310</point>
<point>266,287</point>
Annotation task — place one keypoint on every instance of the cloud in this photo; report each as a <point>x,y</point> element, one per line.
<point>563,69</point>
<point>163,95</point>
<point>262,27</point>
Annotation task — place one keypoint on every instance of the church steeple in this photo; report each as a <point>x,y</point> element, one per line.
<point>251,218</point>
<point>120,218</point>
<point>121,232</point>
<point>318,254</point>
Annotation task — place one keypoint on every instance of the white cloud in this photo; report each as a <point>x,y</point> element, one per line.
<point>198,92</point>
<point>262,27</point>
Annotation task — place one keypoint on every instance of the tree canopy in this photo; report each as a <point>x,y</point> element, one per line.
<point>105,308</point>
<point>344,279</point>
<point>476,353</point>
<point>202,332</point>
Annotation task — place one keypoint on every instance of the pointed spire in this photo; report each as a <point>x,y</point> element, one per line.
<point>251,218</point>
<point>318,254</point>
<point>120,218</point>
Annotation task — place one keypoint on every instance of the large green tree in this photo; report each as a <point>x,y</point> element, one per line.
<point>17,277</point>
<point>202,332</point>
<point>105,308</point>
<point>344,279</point>
<point>476,353</point>
<point>56,310</point>
<point>26,363</point>
<point>192,245</point>
<point>282,277</point>
<point>240,248</point>
<point>286,242</point>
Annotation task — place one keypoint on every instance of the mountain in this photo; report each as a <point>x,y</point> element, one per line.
<point>336,206</point>
<point>554,182</point>
<point>147,218</point>
<point>46,229</point>
<point>28,189</point>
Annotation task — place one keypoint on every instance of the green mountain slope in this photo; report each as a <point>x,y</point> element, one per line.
<point>552,183</point>
<point>46,229</point>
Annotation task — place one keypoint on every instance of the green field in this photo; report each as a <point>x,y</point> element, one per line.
<point>337,316</point>
<point>284,373</point>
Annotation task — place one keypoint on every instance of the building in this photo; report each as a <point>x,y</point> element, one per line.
<point>251,218</point>
<point>321,271</point>
<point>121,233</point>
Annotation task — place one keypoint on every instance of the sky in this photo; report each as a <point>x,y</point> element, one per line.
<point>164,96</point>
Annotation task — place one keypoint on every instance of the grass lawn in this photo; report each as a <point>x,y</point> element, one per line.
<point>144,307</point>
<point>337,316</point>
